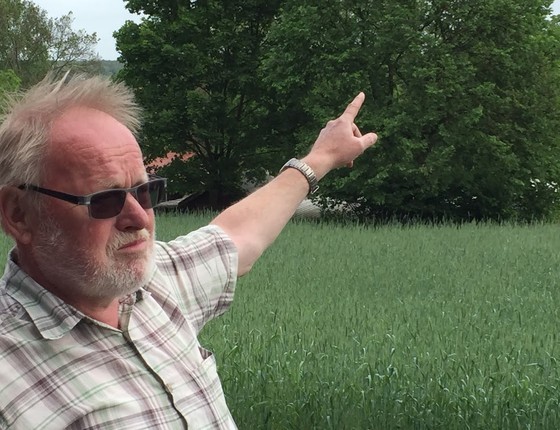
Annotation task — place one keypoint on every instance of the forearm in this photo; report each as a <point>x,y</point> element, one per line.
<point>264,214</point>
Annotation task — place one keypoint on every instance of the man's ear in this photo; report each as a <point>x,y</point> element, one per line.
<point>14,215</point>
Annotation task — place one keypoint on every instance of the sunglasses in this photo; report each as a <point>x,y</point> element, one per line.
<point>109,203</point>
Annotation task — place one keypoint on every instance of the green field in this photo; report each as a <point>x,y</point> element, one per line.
<point>393,328</point>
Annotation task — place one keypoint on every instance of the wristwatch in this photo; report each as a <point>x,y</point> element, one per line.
<point>305,170</point>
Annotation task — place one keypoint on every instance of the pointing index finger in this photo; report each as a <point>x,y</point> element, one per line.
<point>353,108</point>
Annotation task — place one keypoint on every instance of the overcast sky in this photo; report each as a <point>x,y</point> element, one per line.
<point>106,16</point>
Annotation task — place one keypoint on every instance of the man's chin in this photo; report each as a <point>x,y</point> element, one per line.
<point>139,272</point>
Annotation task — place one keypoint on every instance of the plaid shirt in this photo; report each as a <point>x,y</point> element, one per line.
<point>61,369</point>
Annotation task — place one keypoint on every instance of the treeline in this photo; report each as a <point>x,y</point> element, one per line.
<point>32,44</point>
<point>110,67</point>
<point>464,95</point>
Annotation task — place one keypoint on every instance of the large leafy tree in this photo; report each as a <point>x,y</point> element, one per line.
<point>31,43</point>
<point>464,95</point>
<point>23,29</point>
<point>193,66</point>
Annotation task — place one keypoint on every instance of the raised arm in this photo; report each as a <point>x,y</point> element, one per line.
<point>255,222</point>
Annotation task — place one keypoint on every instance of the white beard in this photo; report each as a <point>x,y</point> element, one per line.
<point>62,263</point>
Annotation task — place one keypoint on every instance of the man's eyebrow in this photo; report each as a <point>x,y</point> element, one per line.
<point>144,179</point>
<point>107,184</point>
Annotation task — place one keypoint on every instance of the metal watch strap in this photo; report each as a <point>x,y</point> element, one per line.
<point>305,170</point>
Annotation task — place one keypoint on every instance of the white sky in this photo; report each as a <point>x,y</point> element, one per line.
<point>106,16</point>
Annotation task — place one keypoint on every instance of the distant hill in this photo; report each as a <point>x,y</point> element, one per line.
<point>110,67</point>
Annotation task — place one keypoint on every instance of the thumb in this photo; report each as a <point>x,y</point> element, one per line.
<point>368,140</point>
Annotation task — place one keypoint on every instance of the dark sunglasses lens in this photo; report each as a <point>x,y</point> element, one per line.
<point>107,204</point>
<point>157,191</point>
<point>150,194</point>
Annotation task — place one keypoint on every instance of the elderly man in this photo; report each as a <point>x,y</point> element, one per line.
<point>98,321</point>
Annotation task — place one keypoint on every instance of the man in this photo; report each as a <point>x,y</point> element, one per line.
<point>98,321</point>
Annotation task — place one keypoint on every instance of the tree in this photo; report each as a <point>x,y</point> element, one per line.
<point>464,95</point>
<point>193,66</point>
<point>31,43</point>
<point>23,30</point>
<point>72,50</point>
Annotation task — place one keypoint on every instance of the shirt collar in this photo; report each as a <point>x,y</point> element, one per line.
<point>52,317</point>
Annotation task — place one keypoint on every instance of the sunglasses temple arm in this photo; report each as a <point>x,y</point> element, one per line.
<point>59,195</point>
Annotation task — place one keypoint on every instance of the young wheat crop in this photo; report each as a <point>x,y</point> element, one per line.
<point>348,327</point>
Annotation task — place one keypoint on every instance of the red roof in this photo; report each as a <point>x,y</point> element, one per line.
<point>164,161</point>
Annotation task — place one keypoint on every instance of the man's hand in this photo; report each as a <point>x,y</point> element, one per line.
<point>340,142</point>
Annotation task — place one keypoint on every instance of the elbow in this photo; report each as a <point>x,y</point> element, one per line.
<point>243,269</point>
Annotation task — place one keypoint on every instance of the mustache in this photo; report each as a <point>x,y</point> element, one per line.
<point>122,238</point>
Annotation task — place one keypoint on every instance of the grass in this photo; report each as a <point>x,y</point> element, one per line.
<point>393,328</point>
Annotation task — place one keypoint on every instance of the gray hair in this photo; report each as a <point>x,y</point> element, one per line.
<point>28,118</point>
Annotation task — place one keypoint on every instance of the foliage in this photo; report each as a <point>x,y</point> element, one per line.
<point>193,66</point>
<point>31,43</point>
<point>23,30</point>
<point>464,96</point>
<point>110,67</point>
<point>72,50</point>
<point>9,81</point>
